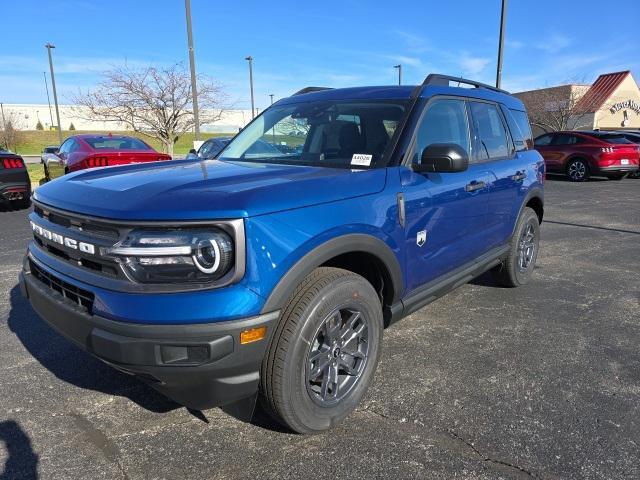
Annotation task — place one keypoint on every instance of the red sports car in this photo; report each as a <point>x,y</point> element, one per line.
<point>581,154</point>
<point>90,150</point>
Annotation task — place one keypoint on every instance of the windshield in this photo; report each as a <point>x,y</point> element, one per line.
<point>338,134</point>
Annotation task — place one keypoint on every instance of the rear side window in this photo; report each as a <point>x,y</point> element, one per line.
<point>520,129</point>
<point>612,138</point>
<point>490,133</point>
<point>445,121</point>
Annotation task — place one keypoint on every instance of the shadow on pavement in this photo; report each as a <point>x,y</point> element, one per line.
<point>22,461</point>
<point>72,365</point>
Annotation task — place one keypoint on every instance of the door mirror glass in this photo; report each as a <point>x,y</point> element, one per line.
<point>442,158</point>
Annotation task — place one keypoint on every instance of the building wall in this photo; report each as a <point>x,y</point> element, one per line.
<point>27,116</point>
<point>552,99</point>
<point>626,98</point>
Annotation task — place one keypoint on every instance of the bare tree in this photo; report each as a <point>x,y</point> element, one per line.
<point>557,108</point>
<point>156,102</point>
<point>10,134</point>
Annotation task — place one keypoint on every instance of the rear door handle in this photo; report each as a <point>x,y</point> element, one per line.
<point>475,185</point>
<point>519,176</point>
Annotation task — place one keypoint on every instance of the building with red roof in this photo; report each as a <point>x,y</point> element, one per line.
<point>612,102</point>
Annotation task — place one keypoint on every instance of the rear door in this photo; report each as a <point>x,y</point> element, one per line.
<point>494,149</point>
<point>445,212</point>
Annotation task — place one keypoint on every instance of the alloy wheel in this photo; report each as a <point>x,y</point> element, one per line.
<point>577,170</point>
<point>526,248</point>
<point>337,356</point>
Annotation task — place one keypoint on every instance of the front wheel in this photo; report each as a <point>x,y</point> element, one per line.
<point>578,170</point>
<point>325,351</point>
<point>517,266</point>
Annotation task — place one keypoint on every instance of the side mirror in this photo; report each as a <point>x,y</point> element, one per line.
<point>193,150</point>
<point>442,158</point>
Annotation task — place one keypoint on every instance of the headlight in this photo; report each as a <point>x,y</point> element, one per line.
<point>175,256</point>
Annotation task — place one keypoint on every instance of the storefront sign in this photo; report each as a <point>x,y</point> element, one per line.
<point>630,104</point>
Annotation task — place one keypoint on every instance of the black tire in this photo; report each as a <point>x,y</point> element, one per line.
<point>616,176</point>
<point>510,273</point>
<point>46,173</point>
<point>577,170</point>
<point>287,390</point>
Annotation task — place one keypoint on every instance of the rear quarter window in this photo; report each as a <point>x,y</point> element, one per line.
<point>520,128</point>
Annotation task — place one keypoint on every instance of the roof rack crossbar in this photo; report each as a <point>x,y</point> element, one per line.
<point>311,89</point>
<point>443,80</point>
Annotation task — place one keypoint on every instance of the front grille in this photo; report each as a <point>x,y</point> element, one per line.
<point>100,234</point>
<point>70,293</point>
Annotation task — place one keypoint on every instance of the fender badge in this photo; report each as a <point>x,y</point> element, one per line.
<point>421,238</point>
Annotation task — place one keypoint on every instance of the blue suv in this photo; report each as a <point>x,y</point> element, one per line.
<point>271,272</point>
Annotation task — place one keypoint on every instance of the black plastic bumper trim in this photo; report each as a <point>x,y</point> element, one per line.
<point>229,372</point>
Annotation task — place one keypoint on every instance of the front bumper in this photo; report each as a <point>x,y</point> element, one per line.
<point>197,365</point>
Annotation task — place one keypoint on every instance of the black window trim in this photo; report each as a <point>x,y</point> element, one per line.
<point>406,161</point>
<point>510,142</point>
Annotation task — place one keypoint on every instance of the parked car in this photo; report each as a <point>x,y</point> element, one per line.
<point>15,186</point>
<point>210,148</point>
<point>634,137</point>
<point>274,274</point>
<point>581,154</point>
<point>91,150</point>
<point>213,146</point>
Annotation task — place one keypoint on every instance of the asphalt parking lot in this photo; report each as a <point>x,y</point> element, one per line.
<point>542,381</point>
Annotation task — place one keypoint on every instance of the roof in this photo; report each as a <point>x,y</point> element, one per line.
<point>399,92</point>
<point>600,91</point>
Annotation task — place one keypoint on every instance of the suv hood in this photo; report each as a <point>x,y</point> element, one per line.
<point>203,190</point>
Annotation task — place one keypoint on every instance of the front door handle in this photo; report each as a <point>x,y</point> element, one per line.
<point>519,176</point>
<point>475,185</point>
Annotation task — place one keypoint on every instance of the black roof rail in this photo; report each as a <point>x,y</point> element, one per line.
<point>311,89</point>
<point>444,80</point>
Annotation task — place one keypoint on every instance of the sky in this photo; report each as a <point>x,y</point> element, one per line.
<point>323,43</point>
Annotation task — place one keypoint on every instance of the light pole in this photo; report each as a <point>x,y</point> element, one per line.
<point>46,87</point>
<point>399,67</point>
<point>250,60</point>
<point>271,95</point>
<point>192,64</point>
<point>4,125</point>
<point>503,19</point>
<point>55,95</point>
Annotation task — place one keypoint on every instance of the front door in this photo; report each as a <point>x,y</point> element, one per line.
<point>445,212</point>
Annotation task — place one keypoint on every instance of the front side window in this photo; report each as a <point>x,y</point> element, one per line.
<point>490,134</point>
<point>543,140</point>
<point>321,133</point>
<point>444,121</point>
<point>65,148</point>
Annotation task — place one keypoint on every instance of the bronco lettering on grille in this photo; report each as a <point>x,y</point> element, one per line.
<point>66,241</point>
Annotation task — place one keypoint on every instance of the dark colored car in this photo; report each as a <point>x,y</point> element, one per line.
<point>581,154</point>
<point>212,147</point>
<point>90,151</point>
<point>275,273</point>
<point>15,186</point>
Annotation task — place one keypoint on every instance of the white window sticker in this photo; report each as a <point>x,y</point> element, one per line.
<point>361,159</point>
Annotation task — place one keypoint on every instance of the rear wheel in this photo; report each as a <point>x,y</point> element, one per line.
<point>325,351</point>
<point>517,266</point>
<point>578,170</point>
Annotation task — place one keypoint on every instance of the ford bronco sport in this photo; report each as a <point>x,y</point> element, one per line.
<point>271,274</point>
